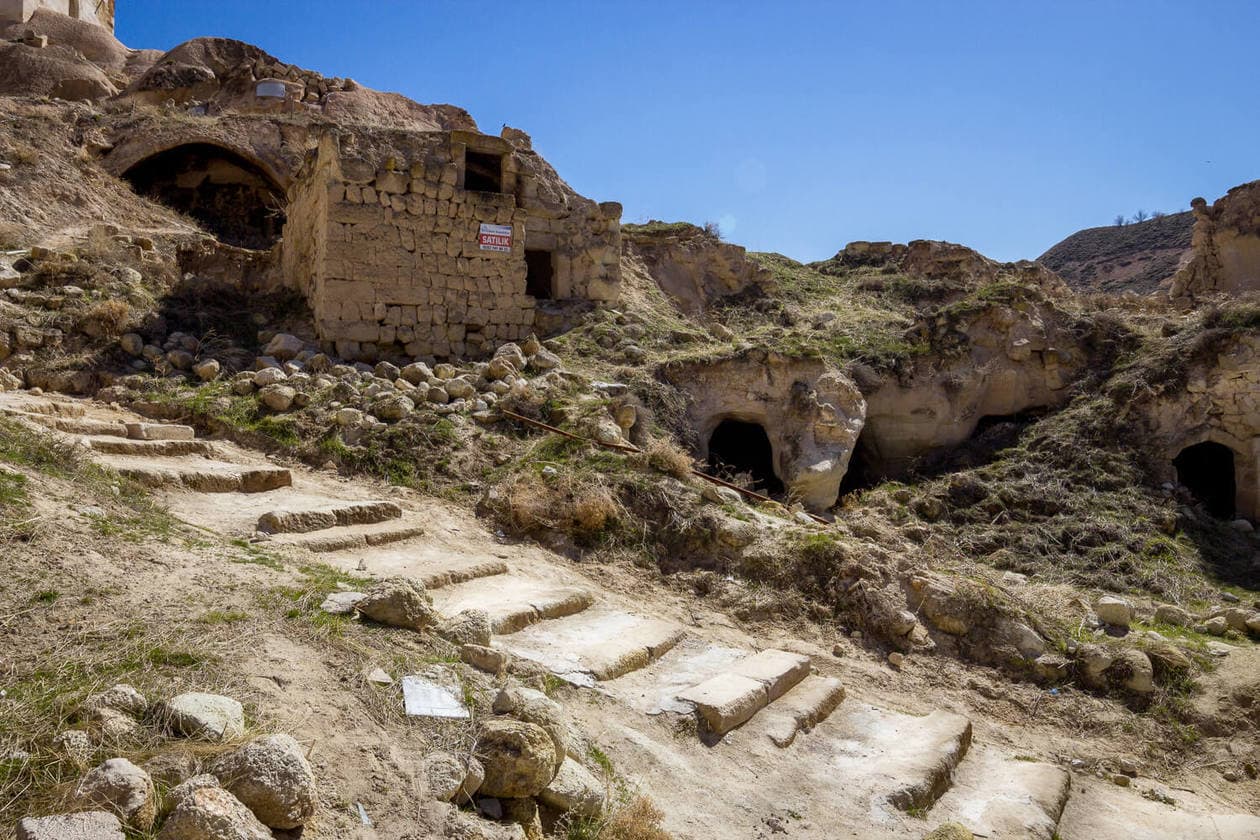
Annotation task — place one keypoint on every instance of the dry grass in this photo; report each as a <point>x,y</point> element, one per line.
<point>635,817</point>
<point>670,458</point>
<point>106,319</point>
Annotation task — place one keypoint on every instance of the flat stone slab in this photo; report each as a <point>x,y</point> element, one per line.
<point>88,825</point>
<point>808,704</point>
<point>341,603</point>
<point>778,670</point>
<point>512,603</point>
<point>354,536</point>
<point>332,516</point>
<point>424,698</point>
<point>199,715</point>
<point>891,760</point>
<point>1098,810</point>
<point>994,795</point>
<point>598,644</point>
<point>200,475</point>
<point>727,700</point>
<point>159,431</point>
<point>74,425</point>
<point>654,690</point>
<point>156,448</point>
<point>432,564</point>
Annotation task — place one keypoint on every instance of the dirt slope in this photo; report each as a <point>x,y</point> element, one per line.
<point>1136,257</point>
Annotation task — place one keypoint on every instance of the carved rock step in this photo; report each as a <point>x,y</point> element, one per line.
<point>800,710</point>
<point>732,698</point>
<point>430,562</point>
<point>74,425</point>
<point>199,474</point>
<point>333,516</point>
<point>152,448</point>
<point>997,796</point>
<point>512,603</point>
<point>60,409</point>
<point>598,644</point>
<point>1099,810</point>
<point>354,536</point>
<point>159,431</point>
<point>891,760</point>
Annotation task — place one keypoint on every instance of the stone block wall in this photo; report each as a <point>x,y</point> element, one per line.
<point>383,240</point>
<point>100,12</point>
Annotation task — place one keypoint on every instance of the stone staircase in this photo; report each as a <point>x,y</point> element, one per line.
<point>767,709</point>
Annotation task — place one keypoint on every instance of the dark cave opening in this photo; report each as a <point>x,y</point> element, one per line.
<point>1207,471</point>
<point>738,449</point>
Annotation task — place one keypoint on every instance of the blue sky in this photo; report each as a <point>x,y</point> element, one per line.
<point>800,126</point>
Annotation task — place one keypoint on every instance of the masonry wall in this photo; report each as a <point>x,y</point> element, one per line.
<point>387,250</point>
<point>100,12</point>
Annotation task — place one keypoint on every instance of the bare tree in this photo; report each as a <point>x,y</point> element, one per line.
<point>1158,214</point>
<point>1120,221</point>
<point>1141,216</point>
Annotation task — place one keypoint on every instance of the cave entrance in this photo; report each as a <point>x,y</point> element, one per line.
<point>740,452</point>
<point>230,197</point>
<point>539,273</point>
<point>1207,471</point>
<point>483,172</point>
<point>863,472</point>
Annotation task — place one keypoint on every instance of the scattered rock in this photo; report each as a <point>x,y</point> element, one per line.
<point>284,346</point>
<point>519,758</point>
<point>896,659</point>
<point>122,698</point>
<point>205,811</point>
<point>89,825</point>
<point>379,676</point>
<point>1114,611</point>
<point>949,831</point>
<point>341,603</point>
<point>132,344</point>
<point>349,417</point>
<point>269,376</point>
<point>485,658</point>
<point>114,726</point>
<point>400,602</point>
<point>393,408</point>
<point>198,715</point>
<point>537,708</point>
<point>207,371</point>
<point>120,787</point>
<point>575,789</point>
<point>76,745</point>
<point>277,397</point>
<point>1135,672</point>
<point>470,627</point>
<point>1217,626</point>
<point>272,777</point>
<point>1121,780</point>
<point>451,778</point>
<point>1174,615</point>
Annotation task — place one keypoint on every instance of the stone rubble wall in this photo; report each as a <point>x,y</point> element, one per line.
<point>1226,246</point>
<point>385,247</point>
<point>1220,403</point>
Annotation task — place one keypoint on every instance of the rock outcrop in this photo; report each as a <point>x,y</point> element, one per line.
<point>1226,246</point>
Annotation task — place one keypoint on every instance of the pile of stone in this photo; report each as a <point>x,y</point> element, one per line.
<point>243,794</point>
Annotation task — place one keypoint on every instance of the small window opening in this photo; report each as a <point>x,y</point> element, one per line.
<point>740,452</point>
<point>483,172</point>
<point>1207,471</point>
<point>539,274</point>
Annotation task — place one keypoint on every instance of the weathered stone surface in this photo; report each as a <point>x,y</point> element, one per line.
<point>272,777</point>
<point>1135,671</point>
<point>534,707</point>
<point>122,697</point>
<point>519,758</point>
<point>284,347</point>
<point>205,811</point>
<point>451,777</point>
<point>121,787</point>
<point>1174,615</point>
<point>485,658</point>
<point>393,408</point>
<point>88,825</point>
<point>277,397</point>
<point>949,831</point>
<point>199,715</point>
<point>1114,611</point>
<point>207,371</point>
<point>575,789</point>
<point>470,627</point>
<point>398,601</point>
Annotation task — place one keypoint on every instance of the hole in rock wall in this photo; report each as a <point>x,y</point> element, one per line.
<point>740,452</point>
<point>863,472</point>
<point>229,196</point>
<point>539,275</point>
<point>1207,471</point>
<point>483,172</point>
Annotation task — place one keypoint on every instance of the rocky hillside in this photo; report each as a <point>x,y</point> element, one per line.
<point>1141,257</point>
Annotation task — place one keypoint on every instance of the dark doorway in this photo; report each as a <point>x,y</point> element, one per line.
<point>229,196</point>
<point>1207,471</point>
<point>483,172</point>
<point>862,473</point>
<point>539,273</point>
<point>740,452</point>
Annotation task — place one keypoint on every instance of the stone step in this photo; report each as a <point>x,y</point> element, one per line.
<point>598,644</point>
<point>159,431</point>
<point>888,760</point>
<point>1100,810</point>
<point>199,474</point>
<point>800,710</point>
<point>153,448</point>
<point>654,690</point>
<point>59,409</point>
<point>74,425</point>
<point>513,603</point>
<point>333,516</point>
<point>731,698</point>
<point>343,538</point>
<point>432,565</point>
<point>994,795</point>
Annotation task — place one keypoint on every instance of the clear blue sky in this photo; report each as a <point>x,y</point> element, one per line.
<point>801,126</point>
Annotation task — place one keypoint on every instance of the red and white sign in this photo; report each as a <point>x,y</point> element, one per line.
<point>495,238</point>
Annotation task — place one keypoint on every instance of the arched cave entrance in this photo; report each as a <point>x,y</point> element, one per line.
<point>1207,471</point>
<point>739,449</point>
<point>232,198</point>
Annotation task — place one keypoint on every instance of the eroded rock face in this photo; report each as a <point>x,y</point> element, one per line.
<point>811,414</point>
<point>1226,246</point>
<point>693,266</point>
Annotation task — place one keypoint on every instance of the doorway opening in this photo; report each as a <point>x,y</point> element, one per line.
<point>740,452</point>
<point>230,197</point>
<point>1207,471</point>
<point>483,172</point>
<point>539,275</point>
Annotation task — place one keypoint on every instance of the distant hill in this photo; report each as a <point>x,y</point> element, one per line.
<point>1139,257</point>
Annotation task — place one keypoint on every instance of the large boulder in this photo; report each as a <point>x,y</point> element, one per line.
<point>399,601</point>
<point>88,825</point>
<point>575,789</point>
<point>120,786</point>
<point>272,777</point>
<point>284,346</point>
<point>277,397</point>
<point>202,810</point>
<point>1114,611</point>
<point>199,715</point>
<point>534,707</point>
<point>519,758</point>
<point>1133,670</point>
